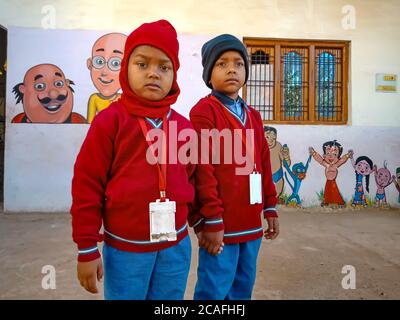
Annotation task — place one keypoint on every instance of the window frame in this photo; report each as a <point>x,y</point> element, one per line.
<point>311,45</point>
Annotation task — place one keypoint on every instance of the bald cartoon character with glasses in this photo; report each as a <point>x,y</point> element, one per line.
<point>104,66</point>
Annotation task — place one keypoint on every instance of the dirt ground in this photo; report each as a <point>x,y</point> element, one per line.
<point>304,262</point>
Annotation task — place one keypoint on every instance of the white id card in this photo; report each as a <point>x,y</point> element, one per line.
<point>162,221</point>
<point>255,188</point>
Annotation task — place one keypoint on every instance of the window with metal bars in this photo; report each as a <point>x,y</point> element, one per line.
<point>298,81</point>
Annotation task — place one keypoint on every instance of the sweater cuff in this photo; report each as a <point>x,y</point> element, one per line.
<point>88,251</point>
<point>198,226</point>
<point>213,225</point>
<point>270,212</point>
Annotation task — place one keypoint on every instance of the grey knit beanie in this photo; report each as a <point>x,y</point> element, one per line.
<point>214,48</point>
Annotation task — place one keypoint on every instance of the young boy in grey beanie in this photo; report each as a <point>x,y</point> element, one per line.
<point>228,222</point>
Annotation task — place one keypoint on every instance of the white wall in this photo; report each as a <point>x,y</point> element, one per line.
<point>38,166</point>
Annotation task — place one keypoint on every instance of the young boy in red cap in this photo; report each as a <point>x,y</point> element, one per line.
<point>230,203</point>
<point>119,180</point>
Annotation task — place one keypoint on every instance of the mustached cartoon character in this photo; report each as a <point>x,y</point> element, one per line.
<point>47,97</point>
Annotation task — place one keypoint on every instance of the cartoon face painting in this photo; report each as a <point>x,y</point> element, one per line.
<point>363,168</point>
<point>46,95</point>
<point>331,154</point>
<point>105,63</point>
<point>278,154</point>
<point>104,66</point>
<point>299,170</point>
<point>383,177</point>
<point>331,161</point>
<point>271,138</point>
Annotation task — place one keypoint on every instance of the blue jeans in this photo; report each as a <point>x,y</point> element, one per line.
<point>159,275</point>
<point>229,275</point>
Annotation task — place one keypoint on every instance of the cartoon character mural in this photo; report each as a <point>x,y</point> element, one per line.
<point>47,97</point>
<point>397,182</point>
<point>104,66</point>
<point>331,160</point>
<point>278,155</point>
<point>363,167</point>
<point>298,174</point>
<point>383,178</point>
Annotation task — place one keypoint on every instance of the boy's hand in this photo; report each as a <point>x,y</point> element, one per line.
<point>273,228</point>
<point>88,272</point>
<point>211,241</point>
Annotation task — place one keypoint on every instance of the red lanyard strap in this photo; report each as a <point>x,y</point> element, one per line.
<point>162,169</point>
<point>235,125</point>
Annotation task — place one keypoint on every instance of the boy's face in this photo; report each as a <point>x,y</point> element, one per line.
<point>150,73</point>
<point>228,74</point>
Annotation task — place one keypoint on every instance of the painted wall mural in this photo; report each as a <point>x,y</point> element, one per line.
<point>47,97</point>
<point>383,178</point>
<point>298,174</point>
<point>397,182</point>
<point>331,161</point>
<point>278,154</point>
<point>363,167</point>
<point>104,66</point>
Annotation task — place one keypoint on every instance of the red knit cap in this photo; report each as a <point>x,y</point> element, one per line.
<point>161,35</point>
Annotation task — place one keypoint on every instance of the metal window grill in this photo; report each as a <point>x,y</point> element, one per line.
<point>260,84</point>
<point>328,84</point>
<point>294,84</point>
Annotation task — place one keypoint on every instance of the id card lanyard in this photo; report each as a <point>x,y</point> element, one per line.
<point>162,211</point>
<point>162,168</point>
<point>255,176</point>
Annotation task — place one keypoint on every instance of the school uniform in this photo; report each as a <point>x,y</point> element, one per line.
<point>224,202</point>
<point>114,183</point>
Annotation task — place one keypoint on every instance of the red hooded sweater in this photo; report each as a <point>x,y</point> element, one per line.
<point>113,182</point>
<point>223,196</point>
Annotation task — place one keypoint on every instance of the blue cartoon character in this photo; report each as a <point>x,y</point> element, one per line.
<point>363,167</point>
<point>298,174</point>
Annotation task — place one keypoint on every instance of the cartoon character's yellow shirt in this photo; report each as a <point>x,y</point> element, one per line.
<point>96,104</point>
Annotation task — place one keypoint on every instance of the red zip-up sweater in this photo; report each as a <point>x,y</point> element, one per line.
<point>113,185</point>
<point>223,196</point>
